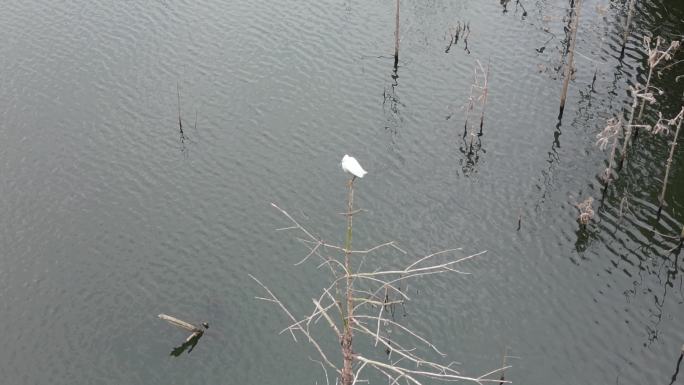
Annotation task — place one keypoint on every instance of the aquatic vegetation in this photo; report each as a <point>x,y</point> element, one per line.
<point>655,57</point>
<point>586,211</point>
<point>610,134</point>
<point>638,93</point>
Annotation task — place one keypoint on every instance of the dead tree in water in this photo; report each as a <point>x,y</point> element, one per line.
<point>655,56</point>
<point>638,93</point>
<point>571,56</point>
<point>663,127</point>
<point>610,134</point>
<point>355,308</point>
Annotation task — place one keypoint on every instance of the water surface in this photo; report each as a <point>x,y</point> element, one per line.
<point>111,215</point>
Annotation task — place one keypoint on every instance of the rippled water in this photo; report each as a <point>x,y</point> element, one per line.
<point>111,216</point>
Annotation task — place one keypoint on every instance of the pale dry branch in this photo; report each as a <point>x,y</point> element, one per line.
<point>299,327</point>
<point>358,372</point>
<point>327,381</point>
<point>296,224</point>
<point>410,373</point>
<point>412,271</point>
<point>313,250</point>
<point>407,354</point>
<point>317,312</point>
<point>404,328</point>
<point>327,317</point>
<point>432,255</point>
<point>379,318</point>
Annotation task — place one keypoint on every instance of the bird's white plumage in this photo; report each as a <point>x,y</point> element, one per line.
<point>352,166</point>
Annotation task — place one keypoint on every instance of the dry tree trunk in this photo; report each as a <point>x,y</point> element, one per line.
<point>348,335</point>
<point>571,55</point>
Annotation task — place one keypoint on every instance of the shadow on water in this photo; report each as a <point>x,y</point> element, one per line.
<point>188,345</point>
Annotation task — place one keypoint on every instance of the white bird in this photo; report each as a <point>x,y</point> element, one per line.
<point>352,166</point>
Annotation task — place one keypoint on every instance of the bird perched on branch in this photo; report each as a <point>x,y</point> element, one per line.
<point>352,166</point>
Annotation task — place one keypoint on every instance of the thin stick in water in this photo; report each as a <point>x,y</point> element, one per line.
<point>571,55</point>
<point>661,199</point>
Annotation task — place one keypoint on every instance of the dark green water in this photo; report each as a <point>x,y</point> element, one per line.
<point>109,216</point>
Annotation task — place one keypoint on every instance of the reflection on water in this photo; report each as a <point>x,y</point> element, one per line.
<point>391,104</point>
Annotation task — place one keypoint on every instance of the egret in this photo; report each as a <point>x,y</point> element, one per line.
<point>352,166</point>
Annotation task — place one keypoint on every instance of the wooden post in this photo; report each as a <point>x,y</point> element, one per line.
<point>571,55</point>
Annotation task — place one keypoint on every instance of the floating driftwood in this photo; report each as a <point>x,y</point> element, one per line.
<point>182,324</point>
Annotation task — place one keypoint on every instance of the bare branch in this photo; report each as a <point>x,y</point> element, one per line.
<point>299,327</point>
<point>327,317</point>
<point>407,330</point>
